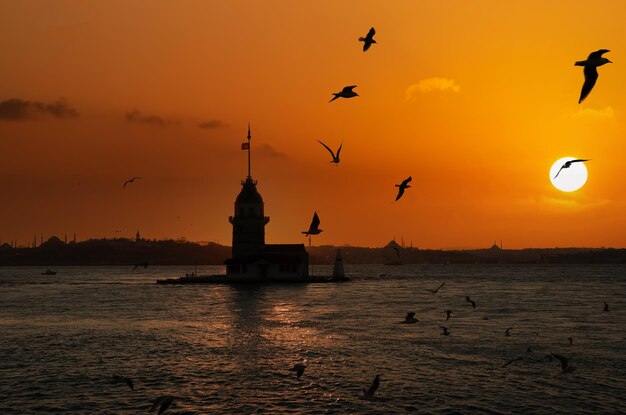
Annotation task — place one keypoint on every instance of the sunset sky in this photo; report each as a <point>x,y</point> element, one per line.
<point>473,99</point>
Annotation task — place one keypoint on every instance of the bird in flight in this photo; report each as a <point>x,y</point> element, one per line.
<point>368,40</point>
<point>469,300</point>
<point>448,314</point>
<point>410,318</point>
<point>436,290</point>
<point>334,156</point>
<point>122,379</point>
<point>606,306</point>
<point>568,164</point>
<point>511,361</point>
<point>369,393</point>
<point>395,248</point>
<point>594,60</point>
<point>402,186</point>
<point>507,332</point>
<point>299,369</point>
<point>162,402</point>
<point>314,228</point>
<point>571,340</point>
<point>565,367</point>
<point>141,264</point>
<point>445,331</point>
<point>346,92</point>
<point>131,181</point>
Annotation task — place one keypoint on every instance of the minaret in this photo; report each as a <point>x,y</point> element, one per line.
<point>249,220</point>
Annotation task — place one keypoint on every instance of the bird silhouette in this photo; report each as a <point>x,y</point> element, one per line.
<point>565,367</point>
<point>436,290</point>
<point>141,264</point>
<point>511,361</point>
<point>444,331</point>
<point>402,186</point>
<point>395,248</point>
<point>606,306</point>
<point>122,379</point>
<point>590,70</point>
<point>163,403</point>
<point>369,393</point>
<point>568,164</point>
<point>368,39</point>
<point>507,332</point>
<point>469,300</point>
<point>314,227</point>
<point>571,340</point>
<point>131,181</point>
<point>448,314</point>
<point>346,92</point>
<point>299,369</point>
<point>410,318</point>
<point>334,156</point>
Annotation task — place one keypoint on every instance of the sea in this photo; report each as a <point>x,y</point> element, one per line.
<point>222,349</point>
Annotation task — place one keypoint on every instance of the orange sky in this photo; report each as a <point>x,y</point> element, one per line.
<point>475,100</point>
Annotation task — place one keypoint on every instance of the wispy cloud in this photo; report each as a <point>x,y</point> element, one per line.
<point>429,85</point>
<point>607,112</point>
<point>269,151</point>
<point>211,124</point>
<point>16,109</point>
<point>139,117</point>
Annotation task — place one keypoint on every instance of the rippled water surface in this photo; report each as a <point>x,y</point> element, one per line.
<point>227,350</point>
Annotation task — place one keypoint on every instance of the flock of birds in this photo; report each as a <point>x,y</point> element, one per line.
<point>593,61</point>
<point>162,403</point>
<point>590,71</point>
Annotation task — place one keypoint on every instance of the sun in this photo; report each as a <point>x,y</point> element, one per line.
<point>568,179</point>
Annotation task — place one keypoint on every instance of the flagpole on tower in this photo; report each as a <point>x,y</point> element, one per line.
<point>249,136</point>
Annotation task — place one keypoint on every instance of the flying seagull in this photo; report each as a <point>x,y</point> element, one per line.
<point>402,186</point>
<point>163,402</point>
<point>469,300</point>
<point>142,264</point>
<point>334,156</point>
<point>314,227</point>
<point>594,60</point>
<point>565,368</point>
<point>410,318</point>
<point>448,314</point>
<point>606,306</point>
<point>511,361</point>
<point>507,332</point>
<point>395,248</point>
<point>122,379</point>
<point>436,290</point>
<point>346,92</point>
<point>299,369</point>
<point>131,181</point>
<point>445,331</point>
<point>369,393</point>
<point>571,340</point>
<point>368,40</point>
<point>568,164</point>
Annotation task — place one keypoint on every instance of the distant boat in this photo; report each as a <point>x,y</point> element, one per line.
<point>49,272</point>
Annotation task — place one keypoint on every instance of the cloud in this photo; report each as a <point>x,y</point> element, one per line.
<point>209,125</point>
<point>269,151</point>
<point>15,109</point>
<point>607,112</point>
<point>429,85</point>
<point>139,117</point>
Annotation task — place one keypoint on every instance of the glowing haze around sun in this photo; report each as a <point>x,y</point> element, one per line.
<point>569,179</point>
